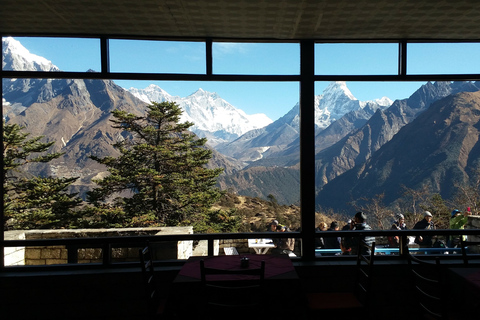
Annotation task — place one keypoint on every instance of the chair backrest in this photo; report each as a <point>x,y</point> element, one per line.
<point>148,274</point>
<point>464,245</point>
<point>364,276</point>
<point>245,292</point>
<point>427,284</point>
<point>230,251</point>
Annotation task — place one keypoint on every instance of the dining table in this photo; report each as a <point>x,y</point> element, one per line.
<point>261,246</point>
<point>463,291</point>
<point>281,282</point>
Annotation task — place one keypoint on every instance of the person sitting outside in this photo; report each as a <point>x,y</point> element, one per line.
<point>457,221</point>
<point>272,226</point>
<point>360,220</point>
<point>427,224</point>
<point>319,241</point>
<point>400,222</point>
<point>283,245</point>
<point>346,242</point>
<point>332,242</point>
<point>394,241</point>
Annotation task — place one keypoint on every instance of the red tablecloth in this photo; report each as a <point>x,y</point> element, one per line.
<point>281,283</point>
<point>463,292</point>
<point>469,277</point>
<point>275,265</point>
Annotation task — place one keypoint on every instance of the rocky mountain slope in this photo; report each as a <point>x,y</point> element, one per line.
<point>439,149</point>
<point>353,142</point>
<point>359,145</point>
<point>75,114</point>
<point>270,144</point>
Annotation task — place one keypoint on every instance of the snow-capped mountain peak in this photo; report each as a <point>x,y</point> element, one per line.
<point>152,93</point>
<point>337,100</point>
<point>337,90</point>
<point>22,59</point>
<point>383,101</point>
<point>212,116</point>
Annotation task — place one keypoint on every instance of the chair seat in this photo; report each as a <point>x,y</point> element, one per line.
<point>162,305</point>
<point>347,304</point>
<point>332,300</point>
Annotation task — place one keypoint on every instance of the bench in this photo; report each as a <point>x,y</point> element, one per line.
<point>389,250</point>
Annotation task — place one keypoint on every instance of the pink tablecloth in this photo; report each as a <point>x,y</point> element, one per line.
<point>469,277</point>
<point>281,282</point>
<point>275,265</point>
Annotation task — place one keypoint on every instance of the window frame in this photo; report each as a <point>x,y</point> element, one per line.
<point>306,80</point>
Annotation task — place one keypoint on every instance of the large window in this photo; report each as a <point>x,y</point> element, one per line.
<point>260,115</point>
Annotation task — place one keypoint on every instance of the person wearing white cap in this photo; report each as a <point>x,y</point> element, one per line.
<point>272,226</point>
<point>400,222</point>
<point>427,224</point>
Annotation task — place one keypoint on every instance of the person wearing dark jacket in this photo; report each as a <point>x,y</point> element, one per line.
<point>346,242</point>
<point>332,242</point>
<point>426,224</point>
<point>361,224</point>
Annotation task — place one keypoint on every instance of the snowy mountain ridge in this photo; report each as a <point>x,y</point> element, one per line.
<point>22,59</point>
<point>337,100</point>
<point>212,116</point>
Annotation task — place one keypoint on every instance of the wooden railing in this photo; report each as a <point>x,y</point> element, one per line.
<point>107,243</point>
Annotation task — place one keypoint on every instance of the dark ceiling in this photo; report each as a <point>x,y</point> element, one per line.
<point>246,19</point>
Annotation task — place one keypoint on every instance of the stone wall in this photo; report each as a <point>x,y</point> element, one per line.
<point>47,255</point>
<point>240,244</point>
<point>14,256</point>
<point>473,223</point>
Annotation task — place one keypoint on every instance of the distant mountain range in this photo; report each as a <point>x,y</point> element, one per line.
<point>363,148</point>
<point>440,149</point>
<point>251,138</point>
<point>213,117</point>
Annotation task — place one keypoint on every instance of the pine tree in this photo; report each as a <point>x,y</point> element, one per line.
<point>33,202</point>
<point>43,203</point>
<point>161,165</point>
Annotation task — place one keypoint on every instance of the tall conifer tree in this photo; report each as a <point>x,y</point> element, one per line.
<point>162,168</point>
<point>33,203</point>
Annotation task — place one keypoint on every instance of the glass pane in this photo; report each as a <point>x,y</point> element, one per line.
<point>144,56</point>
<point>51,54</point>
<point>252,126</point>
<point>356,59</point>
<point>443,58</point>
<point>256,58</point>
<point>366,135</point>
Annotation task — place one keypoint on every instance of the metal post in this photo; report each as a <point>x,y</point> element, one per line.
<point>72,254</point>
<point>210,251</point>
<point>402,58</point>
<point>105,55</point>
<point>307,147</point>
<point>209,57</point>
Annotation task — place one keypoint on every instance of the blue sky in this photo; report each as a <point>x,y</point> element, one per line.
<point>273,99</point>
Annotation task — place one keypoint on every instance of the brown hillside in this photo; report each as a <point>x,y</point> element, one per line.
<point>258,213</point>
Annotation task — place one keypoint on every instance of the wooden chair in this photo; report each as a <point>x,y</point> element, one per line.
<point>224,298</point>
<point>464,245</point>
<point>155,303</point>
<point>354,303</point>
<point>427,284</point>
